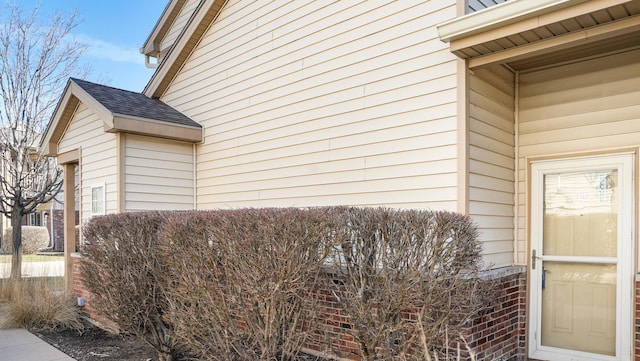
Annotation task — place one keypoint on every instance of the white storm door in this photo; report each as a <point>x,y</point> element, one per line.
<point>581,258</point>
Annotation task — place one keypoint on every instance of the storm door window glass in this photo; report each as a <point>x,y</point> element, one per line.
<point>580,214</point>
<point>579,279</point>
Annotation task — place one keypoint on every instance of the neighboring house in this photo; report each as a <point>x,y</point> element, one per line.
<point>41,217</point>
<point>524,115</point>
<point>49,215</point>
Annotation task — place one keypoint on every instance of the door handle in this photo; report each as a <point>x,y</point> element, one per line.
<point>534,258</point>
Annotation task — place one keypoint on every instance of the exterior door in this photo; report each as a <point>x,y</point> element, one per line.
<point>581,258</point>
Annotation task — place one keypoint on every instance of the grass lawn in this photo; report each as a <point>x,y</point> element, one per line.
<point>6,258</point>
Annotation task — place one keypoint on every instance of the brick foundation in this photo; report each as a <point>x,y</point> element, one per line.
<point>80,291</point>
<point>636,324</point>
<point>499,334</point>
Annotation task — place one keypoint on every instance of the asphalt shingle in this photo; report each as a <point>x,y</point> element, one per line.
<point>125,102</point>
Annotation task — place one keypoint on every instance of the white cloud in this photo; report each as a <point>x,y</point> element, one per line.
<point>101,49</point>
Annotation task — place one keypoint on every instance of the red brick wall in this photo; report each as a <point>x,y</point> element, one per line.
<point>80,291</point>
<point>499,334</point>
<point>334,338</point>
<point>56,219</point>
<point>636,325</point>
<point>57,234</point>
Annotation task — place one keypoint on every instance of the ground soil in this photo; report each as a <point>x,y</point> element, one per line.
<point>96,344</point>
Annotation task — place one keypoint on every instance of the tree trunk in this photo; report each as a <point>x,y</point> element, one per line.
<point>16,238</point>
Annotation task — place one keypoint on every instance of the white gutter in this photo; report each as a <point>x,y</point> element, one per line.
<point>499,15</point>
<point>148,63</point>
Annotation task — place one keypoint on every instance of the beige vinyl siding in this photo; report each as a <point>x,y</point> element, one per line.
<point>492,161</point>
<point>584,107</point>
<point>178,25</point>
<point>158,174</point>
<point>319,103</point>
<point>98,162</point>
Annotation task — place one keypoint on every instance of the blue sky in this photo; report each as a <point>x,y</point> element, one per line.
<point>114,30</point>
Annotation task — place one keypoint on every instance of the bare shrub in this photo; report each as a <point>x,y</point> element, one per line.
<point>124,271</point>
<point>33,239</point>
<point>244,284</point>
<point>406,279</point>
<point>38,303</point>
<point>202,319</point>
<point>242,279</point>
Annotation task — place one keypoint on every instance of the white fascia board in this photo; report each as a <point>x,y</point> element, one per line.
<point>55,116</point>
<point>498,15</point>
<point>150,45</point>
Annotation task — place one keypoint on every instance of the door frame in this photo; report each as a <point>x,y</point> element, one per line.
<point>625,161</point>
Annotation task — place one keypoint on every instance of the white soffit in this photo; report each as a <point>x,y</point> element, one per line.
<point>499,15</point>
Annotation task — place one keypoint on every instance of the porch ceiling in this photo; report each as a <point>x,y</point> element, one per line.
<point>574,30</point>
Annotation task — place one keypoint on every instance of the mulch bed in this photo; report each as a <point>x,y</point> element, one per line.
<point>96,344</point>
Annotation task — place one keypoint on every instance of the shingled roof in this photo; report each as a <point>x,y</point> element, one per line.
<point>128,103</point>
<point>120,111</point>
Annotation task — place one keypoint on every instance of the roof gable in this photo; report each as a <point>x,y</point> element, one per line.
<point>121,111</point>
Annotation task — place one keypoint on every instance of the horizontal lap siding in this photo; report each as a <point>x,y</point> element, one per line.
<point>98,163</point>
<point>492,161</point>
<point>158,174</point>
<point>178,24</point>
<point>589,106</point>
<point>323,103</point>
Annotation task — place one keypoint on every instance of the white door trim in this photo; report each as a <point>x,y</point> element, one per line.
<point>624,162</point>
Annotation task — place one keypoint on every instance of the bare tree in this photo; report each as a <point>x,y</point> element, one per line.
<point>35,61</point>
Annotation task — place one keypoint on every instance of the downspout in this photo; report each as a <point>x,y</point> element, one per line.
<point>195,179</point>
<point>516,193</point>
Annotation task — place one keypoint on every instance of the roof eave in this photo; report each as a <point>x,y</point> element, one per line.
<point>59,119</point>
<point>152,127</point>
<point>151,46</point>
<point>497,16</point>
<point>46,142</point>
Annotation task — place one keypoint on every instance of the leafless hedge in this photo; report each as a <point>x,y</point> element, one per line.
<point>127,276</point>
<point>239,284</point>
<point>407,279</point>
<point>247,273</point>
